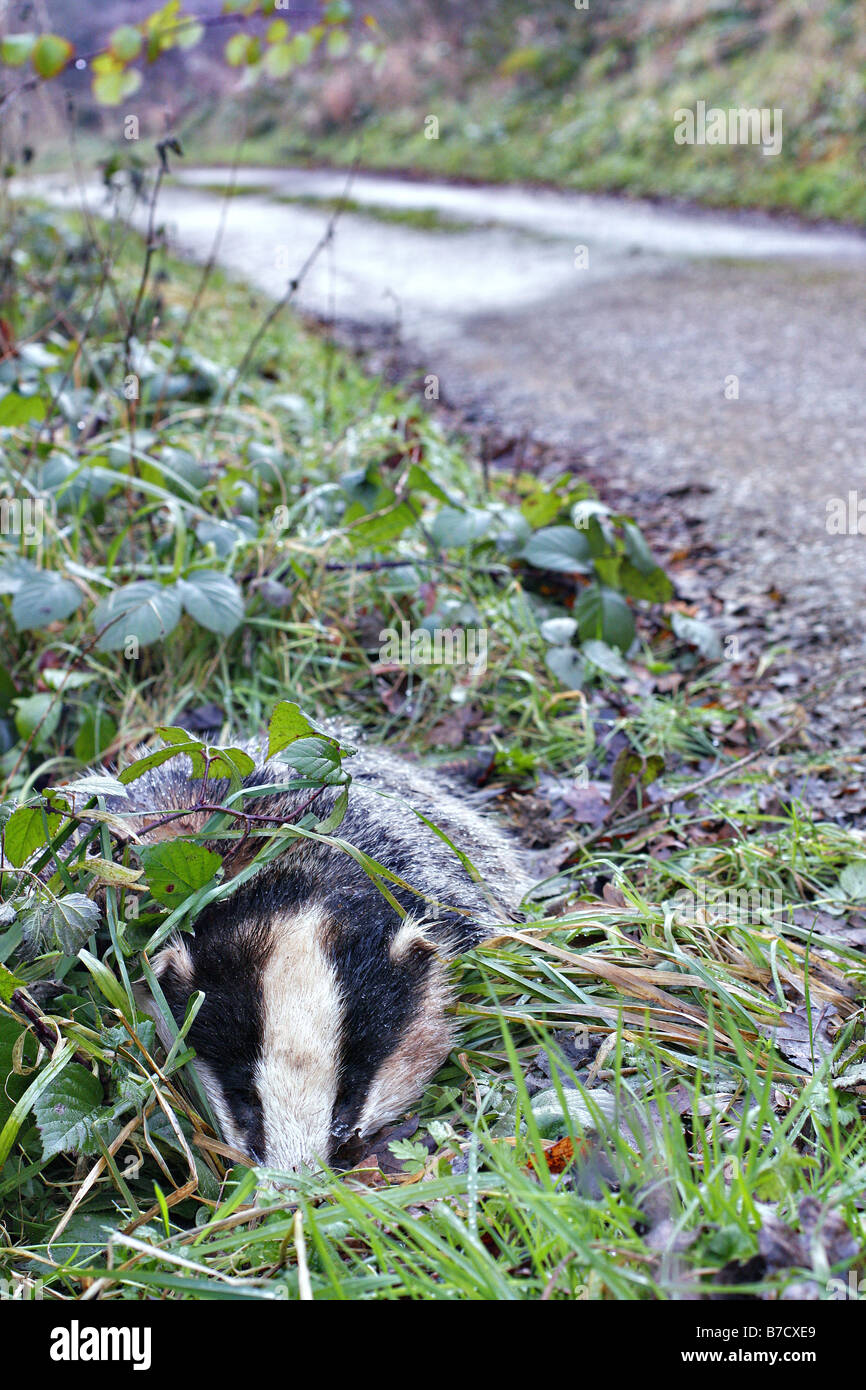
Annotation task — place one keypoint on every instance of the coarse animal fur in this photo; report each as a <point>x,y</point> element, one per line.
<point>325,1010</point>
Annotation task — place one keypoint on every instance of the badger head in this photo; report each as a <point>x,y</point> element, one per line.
<point>315,1028</point>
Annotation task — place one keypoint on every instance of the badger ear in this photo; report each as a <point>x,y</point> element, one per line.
<point>173,969</point>
<point>410,942</point>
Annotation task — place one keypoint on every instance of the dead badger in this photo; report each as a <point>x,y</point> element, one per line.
<point>325,1011</point>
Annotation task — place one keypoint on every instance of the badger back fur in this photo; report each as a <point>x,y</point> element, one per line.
<point>325,1010</point>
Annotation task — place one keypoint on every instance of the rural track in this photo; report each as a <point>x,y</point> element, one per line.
<point>624,352</point>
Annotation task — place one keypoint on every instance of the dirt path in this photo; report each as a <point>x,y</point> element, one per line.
<point>625,358</point>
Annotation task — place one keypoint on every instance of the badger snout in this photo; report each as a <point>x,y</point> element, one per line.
<point>314,1031</point>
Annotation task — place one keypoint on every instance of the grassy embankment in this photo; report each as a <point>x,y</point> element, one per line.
<point>587,101</point>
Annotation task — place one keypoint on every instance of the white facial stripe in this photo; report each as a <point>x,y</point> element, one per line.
<point>419,1053</point>
<point>297,1075</point>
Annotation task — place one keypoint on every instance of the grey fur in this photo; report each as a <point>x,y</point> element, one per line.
<point>326,1011</point>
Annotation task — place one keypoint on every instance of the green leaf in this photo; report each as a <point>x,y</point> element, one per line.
<point>66,1109</point>
<point>561,548</point>
<point>655,586</point>
<point>637,549</point>
<point>454,527</point>
<point>51,53</point>
<point>25,833</point>
<point>107,983</point>
<point>111,88</point>
<point>852,881</point>
<point>567,665</point>
<point>36,1088</point>
<point>177,868</point>
<point>338,43</point>
<point>317,759</point>
<point>125,43</point>
<point>16,409</point>
<point>46,598</point>
<point>336,815</point>
<point>241,50</point>
<point>8,985</point>
<point>157,758</point>
<point>34,712</point>
<point>288,722</point>
<point>72,920</point>
<point>605,615</point>
<point>15,49</point>
<point>146,611</point>
<point>279,60</point>
<point>605,658</point>
<point>213,600</point>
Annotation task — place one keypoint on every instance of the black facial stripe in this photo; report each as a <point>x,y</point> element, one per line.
<point>228,1030</point>
<point>381,999</point>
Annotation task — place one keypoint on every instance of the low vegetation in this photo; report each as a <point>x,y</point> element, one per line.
<point>657,1088</point>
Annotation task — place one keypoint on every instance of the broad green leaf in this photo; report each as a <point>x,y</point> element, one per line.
<point>22,1107</point>
<point>111,88</point>
<point>604,615</point>
<point>25,834</point>
<point>606,658</point>
<point>66,1109</point>
<point>40,712</point>
<point>177,868</point>
<point>51,53</point>
<point>156,759</point>
<point>655,586</point>
<point>16,409</point>
<point>561,548</point>
<point>288,722</point>
<point>8,985</point>
<point>84,788</point>
<point>73,919</point>
<point>125,43</point>
<point>145,611</point>
<point>46,598</point>
<point>453,527</point>
<point>317,759</point>
<point>213,600</point>
<point>15,49</point>
<point>567,665</point>
<point>852,881</point>
<point>279,60</point>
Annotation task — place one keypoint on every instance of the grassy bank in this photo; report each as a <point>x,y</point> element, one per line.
<point>657,1088</point>
<point>586,100</point>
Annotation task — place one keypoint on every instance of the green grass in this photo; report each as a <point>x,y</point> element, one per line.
<point>695,1131</point>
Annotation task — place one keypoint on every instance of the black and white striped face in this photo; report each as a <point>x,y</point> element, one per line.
<point>314,1030</point>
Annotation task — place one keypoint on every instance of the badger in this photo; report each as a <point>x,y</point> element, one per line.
<point>326,1010</point>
